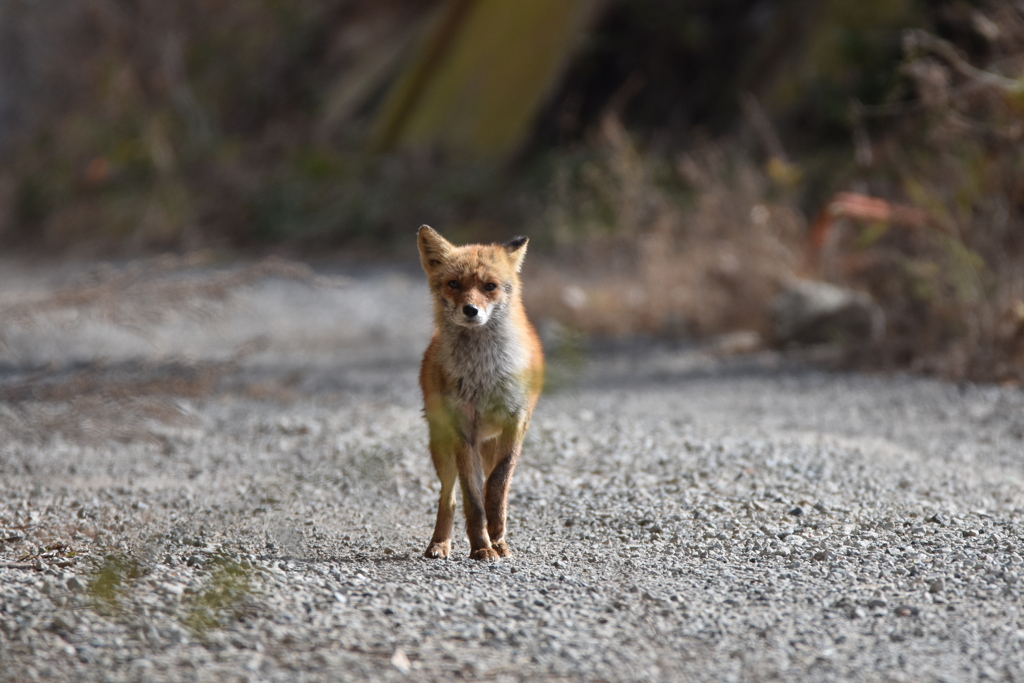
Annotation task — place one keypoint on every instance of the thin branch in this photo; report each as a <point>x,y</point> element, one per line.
<point>916,38</point>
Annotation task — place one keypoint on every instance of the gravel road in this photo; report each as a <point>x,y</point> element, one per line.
<point>238,489</point>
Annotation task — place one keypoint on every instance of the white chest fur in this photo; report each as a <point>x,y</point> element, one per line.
<point>486,365</point>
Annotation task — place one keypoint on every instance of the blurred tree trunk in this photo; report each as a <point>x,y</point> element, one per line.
<point>481,75</point>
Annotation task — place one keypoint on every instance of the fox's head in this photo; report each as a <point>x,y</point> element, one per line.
<point>474,284</point>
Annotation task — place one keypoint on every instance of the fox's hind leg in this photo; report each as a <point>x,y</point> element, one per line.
<point>508,447</point>
<point>471,477</point>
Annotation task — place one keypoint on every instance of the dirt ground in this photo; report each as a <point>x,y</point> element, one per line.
<point>219,473</point>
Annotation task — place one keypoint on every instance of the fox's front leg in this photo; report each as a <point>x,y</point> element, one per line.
<point>447,471</point>
<point>444,443</point>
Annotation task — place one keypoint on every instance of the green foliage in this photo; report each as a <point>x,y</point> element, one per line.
<point>202,120</point>
<point>207,121</point>
<point>846,51</point>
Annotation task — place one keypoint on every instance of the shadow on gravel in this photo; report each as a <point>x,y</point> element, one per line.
<point>120,380</point>
<point>357,558</point>
<point>646,366</point>
<point>95,403</point>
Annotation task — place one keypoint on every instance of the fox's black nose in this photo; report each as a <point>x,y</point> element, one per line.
<point>470,310</point>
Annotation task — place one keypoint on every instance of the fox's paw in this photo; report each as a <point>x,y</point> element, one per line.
<point>487,554</point>
<point>438,550</point>
<point>501,547</point>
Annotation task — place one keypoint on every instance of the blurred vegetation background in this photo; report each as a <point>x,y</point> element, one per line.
<point>675,162</point>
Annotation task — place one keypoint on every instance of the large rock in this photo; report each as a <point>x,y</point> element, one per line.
<point>810,312</point>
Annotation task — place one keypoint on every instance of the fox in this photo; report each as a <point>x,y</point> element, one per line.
<point>481,376</point>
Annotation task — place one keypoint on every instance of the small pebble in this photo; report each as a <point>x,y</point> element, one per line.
<point>401,662</point>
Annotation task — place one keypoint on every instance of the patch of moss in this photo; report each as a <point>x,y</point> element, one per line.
<point>222,596</point>
<point>110,576</point>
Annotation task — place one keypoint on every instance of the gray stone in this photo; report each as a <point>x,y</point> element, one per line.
<point>808,312</point>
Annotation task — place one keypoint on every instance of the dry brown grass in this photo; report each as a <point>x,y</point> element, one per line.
<point>953,290</point>
<point>701,253</point>
<point>635,255</point>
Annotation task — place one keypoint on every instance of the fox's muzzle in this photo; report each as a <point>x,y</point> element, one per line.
<point>470,315</point>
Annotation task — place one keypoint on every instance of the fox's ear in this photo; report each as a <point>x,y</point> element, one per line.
<point>434,249</point>
<point>516,248</point>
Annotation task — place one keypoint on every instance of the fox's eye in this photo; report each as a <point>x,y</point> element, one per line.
<point>454,284</point>
<point>490,287</point>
